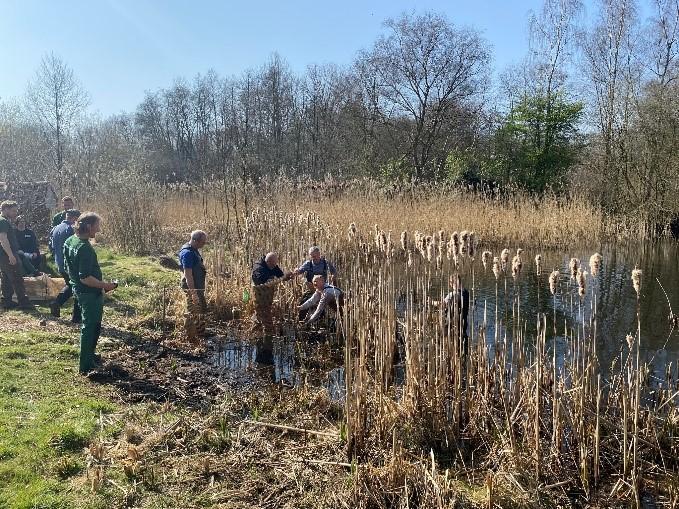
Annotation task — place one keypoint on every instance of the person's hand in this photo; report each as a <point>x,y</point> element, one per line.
<point>12,260</point>
<point>109,287</point>
<point>288,276</point>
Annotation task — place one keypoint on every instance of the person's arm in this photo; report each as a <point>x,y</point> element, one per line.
<point>301,269</point>
<point>93,282</point>
<point>319,309</point>
<point>311,301</point>
<point>4,242</point>
<point>87,264</point>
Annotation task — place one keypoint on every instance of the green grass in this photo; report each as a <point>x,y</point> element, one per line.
<point>48,412</point>
<point>48,415</point>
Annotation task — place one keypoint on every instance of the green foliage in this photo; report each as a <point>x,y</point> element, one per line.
<point>396,170</point>
<point>537,143</point>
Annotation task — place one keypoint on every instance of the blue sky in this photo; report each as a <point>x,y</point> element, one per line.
<point>120,48</point>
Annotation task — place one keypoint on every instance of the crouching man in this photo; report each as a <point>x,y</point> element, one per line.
<point>325,296</point>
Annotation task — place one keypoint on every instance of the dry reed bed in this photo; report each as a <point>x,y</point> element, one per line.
<point>151,219</point>
<point>510,414</point>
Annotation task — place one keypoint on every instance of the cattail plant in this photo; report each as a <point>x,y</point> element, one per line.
<point>538,264</point>
<point>581,278</point>
<point>404,240</point>
<point>636,280</point>
<point>504,258</point>
<point>471,241</point>
<point>497,267</point>
<point>352,232</point>
<point>573,267</point>
<point>454,245</point>
<point>554,281</point>
<point>464,242</point>
<point>486,258</point>
<point>595,264</point>
<point>517,264</point>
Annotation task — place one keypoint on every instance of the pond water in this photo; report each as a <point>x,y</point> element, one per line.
<point>299,356</point>
<point>611,291</point>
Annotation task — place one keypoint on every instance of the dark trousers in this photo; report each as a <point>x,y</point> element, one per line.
<point>65,294</point>
<point>12,281</point>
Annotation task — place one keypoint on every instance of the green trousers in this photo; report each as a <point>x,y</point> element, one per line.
<point>92,307</point>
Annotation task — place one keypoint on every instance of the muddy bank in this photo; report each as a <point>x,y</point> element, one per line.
<point>145,366</point>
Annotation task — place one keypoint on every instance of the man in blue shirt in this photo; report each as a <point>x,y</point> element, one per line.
<point>193,283</point>
<point>58,236</point>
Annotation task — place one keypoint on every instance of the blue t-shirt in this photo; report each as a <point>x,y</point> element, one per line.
<point>60,233</point>
<point>189,258</point>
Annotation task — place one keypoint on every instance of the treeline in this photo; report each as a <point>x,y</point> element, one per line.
<point>593,109</point>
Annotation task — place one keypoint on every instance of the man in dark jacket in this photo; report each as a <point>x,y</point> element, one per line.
<point>457,310</point>
<point>28,248</point>
<point>266,274</point>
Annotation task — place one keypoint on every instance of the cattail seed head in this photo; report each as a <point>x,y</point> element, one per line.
<point>582,282</point>
<point>517,264</point>
<point>573,266</point>
<point>630,341</point>
<point>497,267</point>
<point>554,281</point>
<point>504,258</point>
<point>410,258</point>
<point>430,252</point>
<point>455,239</point>
<point>352,232</point>
<point>486,258</point>
<point>595,263</point>
<point>538,264</point>
<point>404,240</point>
<point>636,280</point>
<point>464,242</point>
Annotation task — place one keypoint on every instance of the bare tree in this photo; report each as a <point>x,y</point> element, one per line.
<point>55,98</point>
<point>421,71</point>
<point>611,69</point>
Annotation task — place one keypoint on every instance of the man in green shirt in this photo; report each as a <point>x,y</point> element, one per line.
<point>67,203</point>
<point>80,262</point>
<point>12,277</point>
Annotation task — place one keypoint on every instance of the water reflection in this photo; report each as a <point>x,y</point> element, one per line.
<point>610,303</point>
<point>608,311</point>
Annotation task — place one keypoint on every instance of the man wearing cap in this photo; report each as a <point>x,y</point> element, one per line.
<point>58,237</point>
